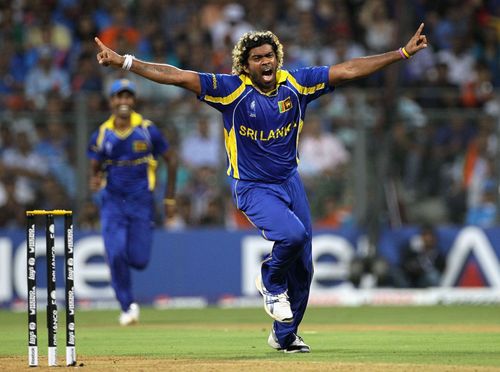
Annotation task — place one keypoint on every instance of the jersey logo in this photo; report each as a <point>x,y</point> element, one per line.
<point>108,147</point>
<point>252,113</point>
<point>139,146</point>
<point>285,105</point>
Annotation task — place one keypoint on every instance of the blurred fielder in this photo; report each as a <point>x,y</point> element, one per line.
<point>263,108</point>
<point>123,153</point>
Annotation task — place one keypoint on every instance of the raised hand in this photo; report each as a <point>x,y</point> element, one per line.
<point>107,56</point>
<point>417,42</point>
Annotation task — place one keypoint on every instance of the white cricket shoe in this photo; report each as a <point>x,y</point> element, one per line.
<point>131,316</point>
<point>276,306</point>
<point>297,346</point>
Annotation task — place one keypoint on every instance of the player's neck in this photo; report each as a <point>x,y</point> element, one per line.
<point>122,124</point>
<point>266,91</point>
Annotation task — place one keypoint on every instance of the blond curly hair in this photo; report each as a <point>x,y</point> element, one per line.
<point>250,40</point>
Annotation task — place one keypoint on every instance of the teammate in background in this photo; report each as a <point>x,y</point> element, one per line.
<point>123,153</point>
<point>263,110</point>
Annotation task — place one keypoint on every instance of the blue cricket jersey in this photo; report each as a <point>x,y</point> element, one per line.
<point>129,158</point>
<point>261,131</point>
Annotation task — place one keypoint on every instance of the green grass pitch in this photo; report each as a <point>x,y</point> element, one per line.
<point>430,338</point>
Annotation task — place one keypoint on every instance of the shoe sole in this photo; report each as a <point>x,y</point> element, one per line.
<point>295,351</point>
<point>258,284</point>
<point>132,322</point>
<point>273,343</point>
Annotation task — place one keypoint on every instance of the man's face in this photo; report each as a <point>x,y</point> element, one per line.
<point>122,104</point>
<point>429,240</point>
<point>261,67</point>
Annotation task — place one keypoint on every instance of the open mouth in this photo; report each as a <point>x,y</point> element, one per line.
<point>267,74</point>
<point>124,109</point>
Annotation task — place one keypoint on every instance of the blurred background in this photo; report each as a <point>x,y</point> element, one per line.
<point>413,148</point>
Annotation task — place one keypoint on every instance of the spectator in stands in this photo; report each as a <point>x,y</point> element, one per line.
<point>459,59</point>
<point>182,218</point>
<point>121,34</point>
<point>422,259</point>
<point>368,270</point>
<point>45,78</point>
<point>303,49</point>
<point>48,33</point>
<point>477,90</point>
<point>214,213</point>
<point>341,49</point>
<point>6,137</point>
<point>323,165</point>
<point>437,91</point>
<point>380,29</point>
<point>334,214</point>
<point>55,145</point>
<point>86,78</point>
<point>52,195</point>
<point>477,167</point>
<point>321,152</point>
<point>23,163</point>
<point>12,72</point>
<point>201,148</point>
<point>485,212</point>
<point>202,187</point>
<point>487,50</point>
<point>230,27</point>
<point>11,206</point>
<point>349,107</point>
<point>407,148</point>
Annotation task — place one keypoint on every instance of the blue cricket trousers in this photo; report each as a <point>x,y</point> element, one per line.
<point>281,213</point>
<point>127,229</point>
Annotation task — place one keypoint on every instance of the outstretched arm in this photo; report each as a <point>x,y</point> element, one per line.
<point>160,73</point>
<point>361,67</point>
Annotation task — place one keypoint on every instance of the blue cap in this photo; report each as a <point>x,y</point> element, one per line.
<point>121,85</point>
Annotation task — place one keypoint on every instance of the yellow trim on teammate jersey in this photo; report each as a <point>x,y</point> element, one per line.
<point>128,163</point>
<point>232,153</point>
<point>152,165</point>
<point>135,120</point>
<point>227,100</point>
<point>301,124</point>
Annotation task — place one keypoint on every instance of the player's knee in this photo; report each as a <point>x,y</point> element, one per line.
<point>298,237</point>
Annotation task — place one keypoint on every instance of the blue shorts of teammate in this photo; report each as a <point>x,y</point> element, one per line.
<point>281,213</point>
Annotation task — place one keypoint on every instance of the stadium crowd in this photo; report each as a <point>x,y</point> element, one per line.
<point>424,132</point>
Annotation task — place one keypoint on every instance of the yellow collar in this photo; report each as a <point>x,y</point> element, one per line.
<point>135,120</point>
<point>281,76</point>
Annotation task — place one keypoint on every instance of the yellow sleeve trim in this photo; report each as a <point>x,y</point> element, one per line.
<point>227,100</point>
<point>302,89</point>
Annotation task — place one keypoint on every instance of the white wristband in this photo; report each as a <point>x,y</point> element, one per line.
<point>127,63</point>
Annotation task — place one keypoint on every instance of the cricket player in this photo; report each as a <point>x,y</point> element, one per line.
<point>263,108</point>
<point>123,154</point>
